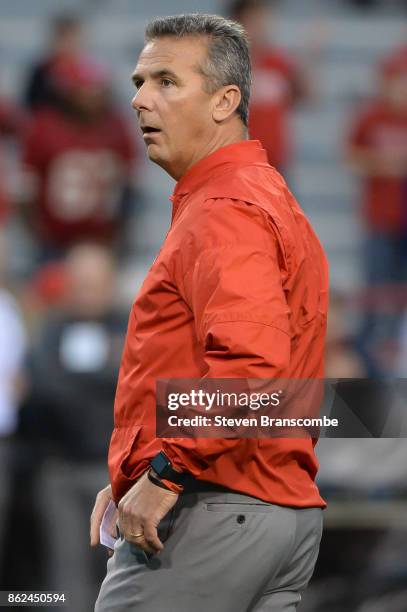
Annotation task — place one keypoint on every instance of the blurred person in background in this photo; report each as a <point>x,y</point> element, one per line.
<point>12,348</point>
<point>79,158</point>
<point>12,352</point>
<point>67,417</point>
<point>377,153</point>
<point>278,82</point>
<point>65,44</point>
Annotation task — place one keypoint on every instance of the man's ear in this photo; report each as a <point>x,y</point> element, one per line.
<point>226,101</point>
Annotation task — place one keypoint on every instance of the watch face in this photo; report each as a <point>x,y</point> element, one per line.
<point>159,463</point>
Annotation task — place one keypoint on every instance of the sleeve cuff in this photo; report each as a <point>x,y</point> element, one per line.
<point>182,461</point>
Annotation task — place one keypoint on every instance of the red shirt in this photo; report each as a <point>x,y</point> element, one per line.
<point>239,289</point>
<point>385,198</point>
<point>274,79</point>
<point>81,168</point>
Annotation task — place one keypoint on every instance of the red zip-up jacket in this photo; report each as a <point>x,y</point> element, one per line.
<point>238,290</point>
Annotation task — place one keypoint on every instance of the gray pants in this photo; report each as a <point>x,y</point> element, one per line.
<point>223,552</point>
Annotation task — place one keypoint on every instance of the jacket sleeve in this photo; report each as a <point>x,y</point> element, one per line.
<point>233,285</point>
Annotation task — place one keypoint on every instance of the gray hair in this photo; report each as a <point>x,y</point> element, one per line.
<point>228,60</point>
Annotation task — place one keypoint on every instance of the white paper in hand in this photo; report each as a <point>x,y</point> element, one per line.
<point>107,526</point>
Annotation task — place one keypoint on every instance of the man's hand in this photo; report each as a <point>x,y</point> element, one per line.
<point>140,512</point>
<point>102,501</point>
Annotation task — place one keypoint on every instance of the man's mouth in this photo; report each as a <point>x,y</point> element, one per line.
<point>148,129</point>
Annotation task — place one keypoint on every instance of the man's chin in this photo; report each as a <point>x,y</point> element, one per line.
<point>153,153</point>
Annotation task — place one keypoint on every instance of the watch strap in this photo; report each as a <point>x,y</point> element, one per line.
<point>164,470</point>
<point>164,484</point>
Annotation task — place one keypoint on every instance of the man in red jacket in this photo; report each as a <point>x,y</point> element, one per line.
<point>238,290</point>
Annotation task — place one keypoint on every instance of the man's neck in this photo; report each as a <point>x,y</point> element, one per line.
<point>212,146</point>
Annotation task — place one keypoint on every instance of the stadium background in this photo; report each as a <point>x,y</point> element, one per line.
<point>59,311</point>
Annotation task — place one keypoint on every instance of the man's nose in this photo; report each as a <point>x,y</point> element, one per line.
<point>142,99</point>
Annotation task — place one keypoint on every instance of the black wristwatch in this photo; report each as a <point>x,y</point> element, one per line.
<point>163,468</point>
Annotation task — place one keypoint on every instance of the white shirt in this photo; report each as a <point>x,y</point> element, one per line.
<point>13,344</point>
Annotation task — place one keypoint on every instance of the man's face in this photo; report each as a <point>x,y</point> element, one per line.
<point>174,111</point>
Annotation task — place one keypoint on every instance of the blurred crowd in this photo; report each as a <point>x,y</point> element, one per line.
<point>62,321</point>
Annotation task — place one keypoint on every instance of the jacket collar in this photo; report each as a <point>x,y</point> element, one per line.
<point>245,152</point>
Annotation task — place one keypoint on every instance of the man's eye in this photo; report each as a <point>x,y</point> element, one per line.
<point>166,82</point>
<point>137,84</point>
